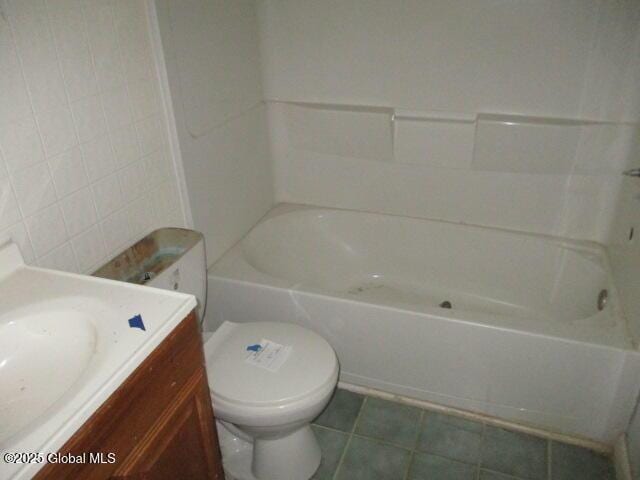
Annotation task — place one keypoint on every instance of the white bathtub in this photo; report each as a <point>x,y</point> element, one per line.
<point>524,340</point>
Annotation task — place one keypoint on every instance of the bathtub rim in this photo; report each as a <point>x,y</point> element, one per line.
<point>233,266</point>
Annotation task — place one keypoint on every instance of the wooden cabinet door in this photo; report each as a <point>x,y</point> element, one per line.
<point>183,442</point>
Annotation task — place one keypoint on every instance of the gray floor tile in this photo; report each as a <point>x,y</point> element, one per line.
<point>428,467</point>
<point>451,437</point>
<point>487,475</point>
<point>457,422</point>
<point>389,421</point>
<point>332,445</point>
<point>368,459</point>
<point>514,453</point>
<point>569,462</point>
<point>342,411</point>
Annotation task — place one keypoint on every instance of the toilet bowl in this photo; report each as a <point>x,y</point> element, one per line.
<point>268,382</point>
<point>264,398</point>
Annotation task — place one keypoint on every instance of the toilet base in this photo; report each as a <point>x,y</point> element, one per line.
<point>293,457</point>
<point>237,454</point>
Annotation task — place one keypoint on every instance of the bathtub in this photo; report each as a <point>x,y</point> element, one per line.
<point>496,322</point>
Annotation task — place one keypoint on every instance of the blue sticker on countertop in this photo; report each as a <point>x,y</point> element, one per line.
<point>136,322</point>
<point>254,348</point>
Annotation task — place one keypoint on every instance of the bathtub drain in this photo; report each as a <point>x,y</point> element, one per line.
<point>446,304</point>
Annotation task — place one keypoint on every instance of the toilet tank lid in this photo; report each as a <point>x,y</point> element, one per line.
<point>268,363</point>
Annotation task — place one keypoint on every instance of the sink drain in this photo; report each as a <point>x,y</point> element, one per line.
<point>445,304</point>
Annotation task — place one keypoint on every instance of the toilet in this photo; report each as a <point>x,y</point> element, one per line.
<point>268,381</point>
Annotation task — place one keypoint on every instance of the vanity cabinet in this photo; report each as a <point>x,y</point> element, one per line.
<point>158,424</point>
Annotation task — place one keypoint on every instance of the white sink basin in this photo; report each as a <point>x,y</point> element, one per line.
<point>42,355</point>
<point>66,344</point>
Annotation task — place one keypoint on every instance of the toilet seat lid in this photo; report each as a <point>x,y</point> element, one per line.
<point>295,364</point>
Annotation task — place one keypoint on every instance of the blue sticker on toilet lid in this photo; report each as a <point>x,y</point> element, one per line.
<point>268,355</point>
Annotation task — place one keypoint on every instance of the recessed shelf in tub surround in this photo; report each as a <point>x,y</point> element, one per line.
<point>482,141</point>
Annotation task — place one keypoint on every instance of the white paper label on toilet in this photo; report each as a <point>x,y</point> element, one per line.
<point>270,356</point>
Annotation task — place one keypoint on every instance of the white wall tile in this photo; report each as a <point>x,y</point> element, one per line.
<point>79,211</point>
<point>98,158</point>
<point>61,258</point>
<point>104,46</point>
<point>129,20</point>
<point>47,230</point>
<point>117,108</point>
<point>67,132</point>
<point>20,144</point>
<point>115,231</point>
<point>125,146</point>
<point>17,233</point>
<point>151,134</point>
<point>145,100</point>
<point>157,167</point>
<point>34,188</point>
<point>58,131</point>
<point>133,181</point>
<point>167,201</point>
<point>68,172</point>
<point>36,49</point>
<point>89,118</point>
<point>9,211</point>
<point>69,30</point>
<point>141,214</point>
<point>89,249</point>
<point>14,100</point>
<point>3,167</point>
<point>108,195</point>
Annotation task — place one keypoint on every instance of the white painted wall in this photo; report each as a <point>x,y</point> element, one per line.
<point>85,169</point>
<point>213,64</point>
<point>488,112</point>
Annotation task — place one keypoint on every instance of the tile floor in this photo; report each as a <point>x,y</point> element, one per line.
<point>366,438</point>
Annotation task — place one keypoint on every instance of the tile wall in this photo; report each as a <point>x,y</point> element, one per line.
<point>85,167</point>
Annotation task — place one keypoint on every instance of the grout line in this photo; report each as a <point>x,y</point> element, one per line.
<point>387,442</point>
<point>482,439</point>
<point>346,447</point>
<point>412,456</point>
<point>355,423</point>
<point>331,429</point>
<point>344,453</point>
<point>413,452</point>
<point>420,429</point>
<point>549,454</point>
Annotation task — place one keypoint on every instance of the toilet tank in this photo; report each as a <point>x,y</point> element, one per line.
<point>167,258</point>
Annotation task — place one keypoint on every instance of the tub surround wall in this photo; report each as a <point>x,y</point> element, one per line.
<point>624,252</point>
<point>501,117</point>
<point>212,56</point>
<point>84,163</point>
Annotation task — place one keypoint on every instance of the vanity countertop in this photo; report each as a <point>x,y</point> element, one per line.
<point>66,344</point>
